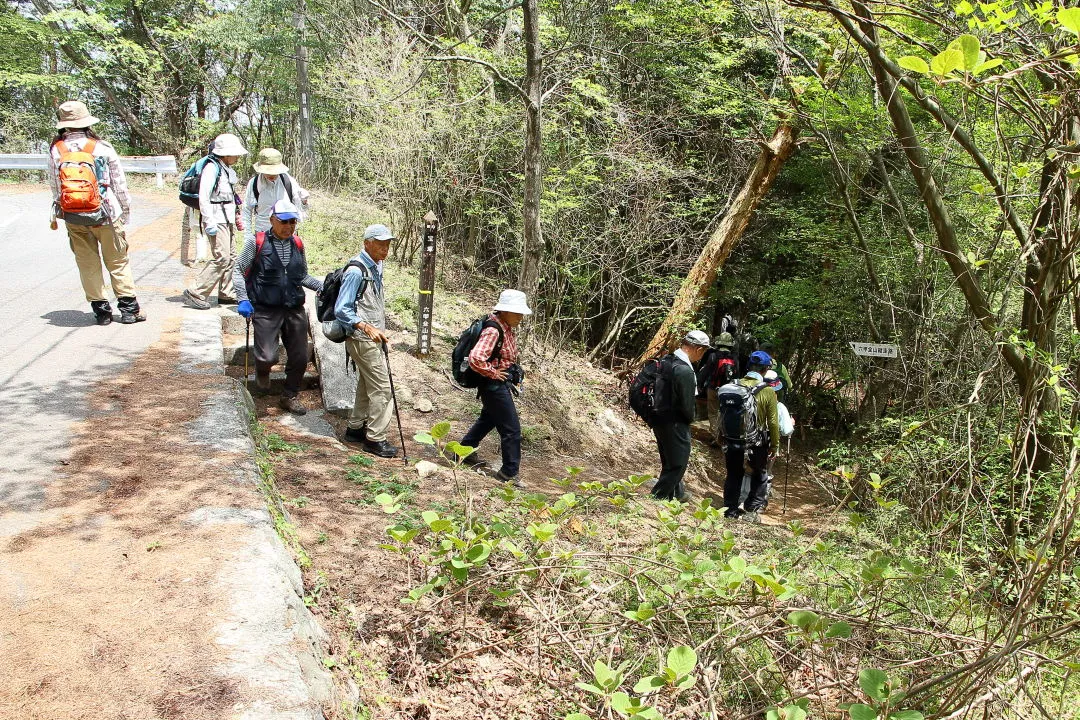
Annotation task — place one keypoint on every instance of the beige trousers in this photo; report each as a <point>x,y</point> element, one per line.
<point>217,272</point>
<point>373,405</point>
<point>190,232</point>
<point>93,245</point>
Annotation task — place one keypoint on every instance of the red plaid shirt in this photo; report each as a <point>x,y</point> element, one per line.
<point>485,345</point>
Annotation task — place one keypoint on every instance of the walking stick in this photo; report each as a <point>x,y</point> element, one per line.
<point>787,472</point>
<point>247,347</point>
<point>390,373</point>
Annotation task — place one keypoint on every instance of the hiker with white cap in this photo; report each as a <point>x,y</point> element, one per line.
<point>272,182</point>
<point>217,206</point>
<point>495,358</point>
<point>672,426</point>
<point>270,276</point>
<point>361,307</point>
<point>90,195</point>
<point>751,431</point>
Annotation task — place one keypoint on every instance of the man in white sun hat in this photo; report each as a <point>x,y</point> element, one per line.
<point>361,307</point>
<point>217,206</point>
<point>272,182</point>
<point>672,428</point>
<point>495,358</point>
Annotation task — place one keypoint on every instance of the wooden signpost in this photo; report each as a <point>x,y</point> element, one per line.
<point>427,284</point>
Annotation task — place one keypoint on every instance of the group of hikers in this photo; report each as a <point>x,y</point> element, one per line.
<point>268,278</point>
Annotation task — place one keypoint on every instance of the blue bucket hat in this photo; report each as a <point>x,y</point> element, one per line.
<point>760,357</point>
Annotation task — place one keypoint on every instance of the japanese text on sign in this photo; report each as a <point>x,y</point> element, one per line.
<point>882,350</point>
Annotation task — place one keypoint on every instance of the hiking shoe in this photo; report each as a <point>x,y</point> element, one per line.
<point>130,318</point>
<point>733,514</point>
<point>103,318</point>
<point>473,460</point>
<point>512,479</point>
<point>356,435</point>
<point>193,302</point>
<point>380,448</point>
<point>293,405</point>
<point>225,300</point>
<point>750,516</point>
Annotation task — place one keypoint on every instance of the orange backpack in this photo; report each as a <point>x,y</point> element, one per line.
<point>79,191</point>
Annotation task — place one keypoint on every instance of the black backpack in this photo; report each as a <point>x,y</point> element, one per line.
<point>327,298</point>
<point>464,375</point>
<point>650,392</point>
<point>739,424</point>
<point>189,184</point>
<point>286,181</point>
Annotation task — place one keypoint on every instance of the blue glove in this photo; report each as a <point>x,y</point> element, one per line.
<point>245,308</point>
<point>211,230</point>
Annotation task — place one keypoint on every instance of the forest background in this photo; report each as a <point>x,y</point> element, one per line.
<point>824,172</point>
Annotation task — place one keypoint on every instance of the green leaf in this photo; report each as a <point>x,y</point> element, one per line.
<point>964,8</point>
<point>424,438</point>
<point>946,62</point>
<point>804,619</point>
<point>988,65</point>
<point>462,451</point>
<point>682,660</point>
<point>906,715</point>
<point>589,687</point>
<point>620,701</point>
<point>542,532</point>
<point>914,64</point>
<point>1070,19</point>
<point>577,716</point>
<point>875,684</point>
<point>429,516</point>
<point>838,630</point>
<point>858,711</point>
<point>968,45</point>
<point>440,430</point>
<point>649,684</point>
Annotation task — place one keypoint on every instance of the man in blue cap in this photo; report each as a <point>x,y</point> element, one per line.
<point>361,307</point>
<point>751,430</point>
<point>270,276</point>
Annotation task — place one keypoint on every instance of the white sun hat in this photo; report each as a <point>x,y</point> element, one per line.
<point>513,301</point>
<point>228,145</point>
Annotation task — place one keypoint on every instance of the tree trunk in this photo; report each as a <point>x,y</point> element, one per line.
<point>696,286</point>
<point>306,164</point>
<point>532,239</point>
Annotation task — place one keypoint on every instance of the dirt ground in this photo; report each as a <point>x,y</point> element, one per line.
<point>354,586</point>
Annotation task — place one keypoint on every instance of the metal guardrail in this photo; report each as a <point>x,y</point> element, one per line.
<point>157,164</point>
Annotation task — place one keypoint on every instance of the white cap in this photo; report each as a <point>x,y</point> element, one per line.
<point>770,375</point>
<point>284,210</point>
<point>513,301</point>
<point>696,337</point>
<point>227,145</point>
<point>378,232</point>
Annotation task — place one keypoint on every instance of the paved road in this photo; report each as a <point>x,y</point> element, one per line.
<point>51,352</point>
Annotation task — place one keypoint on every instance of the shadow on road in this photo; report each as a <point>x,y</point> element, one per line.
<point>69,318</point>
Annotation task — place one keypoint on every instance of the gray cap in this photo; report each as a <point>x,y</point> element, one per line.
<point>696,337</point>
<point>378,232</point>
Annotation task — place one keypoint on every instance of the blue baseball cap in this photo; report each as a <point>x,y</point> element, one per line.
<point>760,357</point>
<point>378,232</point>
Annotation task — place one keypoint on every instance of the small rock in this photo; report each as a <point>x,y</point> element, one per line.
<point>427,469</point>
<point>610,423</point>
<point>423,405</point>
<point>404,395</point>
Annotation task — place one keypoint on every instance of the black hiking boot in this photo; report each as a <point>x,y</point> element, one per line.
<point>381,448</point>
<point>356,435</point>
<point>102,312</point>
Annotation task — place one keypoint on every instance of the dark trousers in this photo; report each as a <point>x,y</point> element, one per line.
<point>290,324</point>
<point>757,457</point>
<point>499,414</point>
<point>673,442</point>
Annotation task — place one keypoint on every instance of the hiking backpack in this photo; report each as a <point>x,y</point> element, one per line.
<point>189,184</point>
<point>464,375</point>
<point>326,299</point>
<point>284,181</point>
<point>79,176</point>
<point>650,392</point>
<point>740,425</point>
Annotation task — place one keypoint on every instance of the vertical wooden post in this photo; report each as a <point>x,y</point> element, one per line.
<point>427,284</point>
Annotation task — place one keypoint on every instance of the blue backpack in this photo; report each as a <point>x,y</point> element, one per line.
<point>189,184</point>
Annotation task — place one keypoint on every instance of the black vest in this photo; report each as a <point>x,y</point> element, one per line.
<point>272,284</point>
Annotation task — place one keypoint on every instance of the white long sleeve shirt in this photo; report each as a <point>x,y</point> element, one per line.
<point>116,196</point>
<point>217,203</point>
<point>257,213</point>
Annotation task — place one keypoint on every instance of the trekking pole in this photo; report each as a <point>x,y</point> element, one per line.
<point>247,347</point>
<point>393,395</point>
<point>787,473</point>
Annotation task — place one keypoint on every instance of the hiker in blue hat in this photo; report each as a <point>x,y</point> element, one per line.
<point>751,431</point>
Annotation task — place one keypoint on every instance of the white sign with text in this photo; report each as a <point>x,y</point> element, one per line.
<point>875,350</point>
